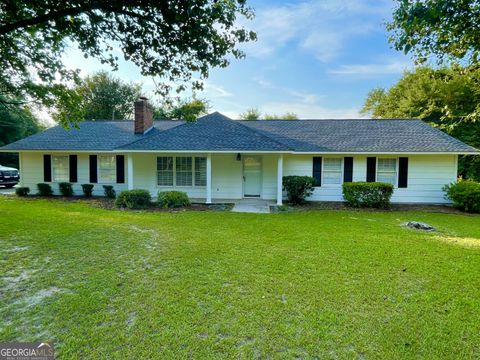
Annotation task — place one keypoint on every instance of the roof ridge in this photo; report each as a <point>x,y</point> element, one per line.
<point>265,136</point>
<point>349,119</point>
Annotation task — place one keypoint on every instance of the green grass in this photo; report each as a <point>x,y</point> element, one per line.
<point>318,284</point>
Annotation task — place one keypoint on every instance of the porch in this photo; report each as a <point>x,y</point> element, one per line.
<point>212,177</point>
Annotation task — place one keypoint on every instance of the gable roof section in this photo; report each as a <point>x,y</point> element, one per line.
<point>91,135</point>
<point>362,135</point>
<point>214,132</point>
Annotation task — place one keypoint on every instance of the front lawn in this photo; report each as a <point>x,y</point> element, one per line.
<point>316,284</point>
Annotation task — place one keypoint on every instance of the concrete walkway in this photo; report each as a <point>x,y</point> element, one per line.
<point>252,206</point>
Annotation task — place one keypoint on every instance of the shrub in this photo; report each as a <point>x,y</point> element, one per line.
<point>173,199</point>
<point>465,195</point>
<point>368,194</point>
<point>87,190</point>
<point>298,188</point>
<point>133,199</point>
<point>44,189</point>
<point>109,191</point>
<point>22,191</point>
<point>65,189</point>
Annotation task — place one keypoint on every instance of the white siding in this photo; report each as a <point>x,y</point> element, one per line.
<point>227,177</point>
<point>269,176</point>
<point>427,174</point>
<point>31,173</point>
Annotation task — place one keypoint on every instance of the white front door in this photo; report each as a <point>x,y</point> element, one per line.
<point>252,176</point>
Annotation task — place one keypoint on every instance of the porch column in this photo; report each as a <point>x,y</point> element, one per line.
<point>209,179</point>
<point>280,179</point>
<point>129,171</point>
<point>20,168</point>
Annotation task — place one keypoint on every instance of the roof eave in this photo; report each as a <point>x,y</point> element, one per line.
<point>249,151</point>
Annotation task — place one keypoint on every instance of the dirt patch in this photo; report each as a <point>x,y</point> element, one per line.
<point>16,249</point>
<point>461,241</point>
<point>334,205</point>
<point>12,281</point>
<point>109,204</point>
<point>41,295</point>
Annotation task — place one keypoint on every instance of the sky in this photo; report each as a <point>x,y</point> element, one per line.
<point>316,58</point>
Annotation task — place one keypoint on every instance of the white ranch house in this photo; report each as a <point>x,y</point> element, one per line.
<point>217,159</point>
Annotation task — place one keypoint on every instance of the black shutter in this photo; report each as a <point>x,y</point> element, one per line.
<point>73,168</point>
<point>371,169</point>
<point>47,168</point>
<point>403,172</point>
<point>120,169</point>
<point>93,169</point>
<point>317,170</point>
<point>348,169</point>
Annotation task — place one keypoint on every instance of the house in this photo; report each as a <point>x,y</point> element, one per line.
<point>219,158</point>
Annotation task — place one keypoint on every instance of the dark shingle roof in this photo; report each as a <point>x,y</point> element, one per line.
<point>91,135</point>
<point>360,135</point>
<point>216,132</point>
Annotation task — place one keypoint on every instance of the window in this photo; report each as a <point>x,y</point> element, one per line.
<point>60,168</point>
<point>186,170</point>
<point>332,171</point>
<point>183,171</point>
<point>200,171</point>
<point>165,171</point>
<point>107,169</point>
<point>387,170</point>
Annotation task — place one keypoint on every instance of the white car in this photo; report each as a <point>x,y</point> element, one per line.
<point>9,177</point>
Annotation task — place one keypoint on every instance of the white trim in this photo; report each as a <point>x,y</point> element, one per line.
<point>20,168</point>
<point>342,170</point>
<point>52,168</point>
<point>130,172</point>
<point>174,172</point>
<point>397,161</point>
<point>99,179</point>
<point>280,180</point>
<point>260,196</point>
<point>209,179</point>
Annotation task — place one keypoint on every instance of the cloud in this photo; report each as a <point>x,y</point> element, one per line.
<point>307,111</point>
<point>319,27</point>
<point>215,90</point>
<point>377,69</point>
<point>305,97</point>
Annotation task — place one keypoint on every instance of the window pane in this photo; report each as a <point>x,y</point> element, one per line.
<point>332,164</point>
<point>387,170</point>
<point>165,171</point>
<point>333,177</point>
<point>200,171</point>
<point>60,168</point>
<point>387,165</point>
<point>184,171</point>
<point>107,168</point>
<point>386,177</point>
<point>332,171</point>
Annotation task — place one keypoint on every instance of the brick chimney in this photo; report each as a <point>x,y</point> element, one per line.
<point>143,116</point>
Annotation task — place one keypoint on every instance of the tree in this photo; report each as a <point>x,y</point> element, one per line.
<point>188,110</point>
<point>100,96</point>
<point>15,125</point>
<point>168,39</point>
<point>447,98</point>
<point>286,116</point>
<point>251,114</point>
<point>443,28</point>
